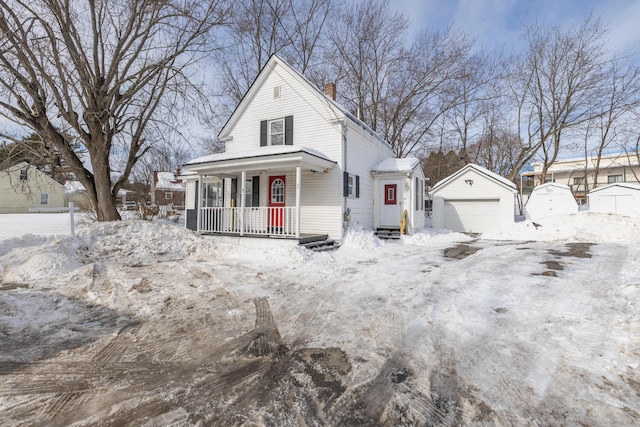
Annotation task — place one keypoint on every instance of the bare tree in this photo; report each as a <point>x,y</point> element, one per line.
<point>475,100</point>
<point>103,73</point>
<point>610,129</point>
<point>399,89</point>
<point>293,29</point>
<point>558,86</point>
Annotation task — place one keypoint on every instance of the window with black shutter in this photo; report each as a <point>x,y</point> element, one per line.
<point>276,131</point>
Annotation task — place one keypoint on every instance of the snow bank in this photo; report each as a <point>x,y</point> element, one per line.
<point>579,227</point>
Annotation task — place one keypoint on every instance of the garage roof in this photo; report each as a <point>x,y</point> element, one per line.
<point>479,169</point>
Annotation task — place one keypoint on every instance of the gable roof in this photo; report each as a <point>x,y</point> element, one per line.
<point>338,110</point>
<point>629,185</point>
<point>479,169</point>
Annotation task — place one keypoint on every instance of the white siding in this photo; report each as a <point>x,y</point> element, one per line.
<point>615,199</point>
<point>315,124</point>
<point>363,153</point>
<point>550,199</point>
<point>473,186</point>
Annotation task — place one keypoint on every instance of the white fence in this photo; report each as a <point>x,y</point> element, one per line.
<point>275,221</point>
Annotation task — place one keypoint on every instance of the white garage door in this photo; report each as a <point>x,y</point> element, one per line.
<point>471,216</point>
<point>619,203</point>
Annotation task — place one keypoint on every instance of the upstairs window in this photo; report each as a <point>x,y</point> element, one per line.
<point>614,178</point>
<point>23,175</point>
<point>276,132</point>
<point>44,198</point>
<point>168,195</point>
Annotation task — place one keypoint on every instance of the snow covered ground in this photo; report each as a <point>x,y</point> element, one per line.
<point>145,323</point>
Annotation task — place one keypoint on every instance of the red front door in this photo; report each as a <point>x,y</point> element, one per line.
<point>276,201</point>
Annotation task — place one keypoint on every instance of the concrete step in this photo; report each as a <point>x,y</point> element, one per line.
<point>389,233</point>
<point>321,245</point>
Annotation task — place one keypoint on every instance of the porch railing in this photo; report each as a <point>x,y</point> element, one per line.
<point>268,221</point>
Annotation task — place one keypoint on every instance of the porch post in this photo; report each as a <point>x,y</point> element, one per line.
<point>200,197</point>
<point>243,189</point>
<point>298,184</point>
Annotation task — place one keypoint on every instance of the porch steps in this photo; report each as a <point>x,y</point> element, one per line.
<point>319,243</point>
<point>388,233</point>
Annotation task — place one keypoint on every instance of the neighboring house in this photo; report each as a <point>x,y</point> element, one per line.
<point>473,200</point>
<point>550,199</point>
<point>621,197</point>
<point>578,173</point>
<point>24,188</point>
<point>168,190</point>
<point>297,164</point>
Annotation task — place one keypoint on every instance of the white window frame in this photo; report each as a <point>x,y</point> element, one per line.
<point>213,188</point>
<point>277,92</point>
<point>248,193</point>
<point>24,175</point>
<point>44,198</point>
<point>168,195</point>
<point>351,186</point>
<point>271,134</point>
<point>617,178</point>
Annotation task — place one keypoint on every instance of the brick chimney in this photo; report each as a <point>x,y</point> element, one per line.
<point>330,90</point>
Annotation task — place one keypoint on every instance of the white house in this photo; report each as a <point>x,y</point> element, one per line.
<point>296,165</point>
<point>620,197</point>
<point>24,188</point>
<point>550,199</point>
<point>473,200</point>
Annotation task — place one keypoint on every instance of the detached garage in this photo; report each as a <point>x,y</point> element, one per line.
<point>473,200</point>
<point>550,199</point>
<point>619,197</point>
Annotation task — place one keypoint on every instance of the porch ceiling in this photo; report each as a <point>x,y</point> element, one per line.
<point>264,159</point>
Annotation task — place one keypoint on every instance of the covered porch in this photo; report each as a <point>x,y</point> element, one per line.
<point>250,194</point>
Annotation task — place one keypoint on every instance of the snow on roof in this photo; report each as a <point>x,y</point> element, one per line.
<point>397,165</point>
<point>271,150</point>
<point>483,171</point>
<point>166,181</point>
<point>72,187</point>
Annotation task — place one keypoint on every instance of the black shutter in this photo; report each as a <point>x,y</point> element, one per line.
<point>357,186</point>
<point>197,204</point>
<point>263,133</point>
<point>255,191</point>
<point>345,184</point>
<point>234,191</point>
<point>288,130</point>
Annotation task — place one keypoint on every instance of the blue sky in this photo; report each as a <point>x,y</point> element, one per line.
<point>498,23</point>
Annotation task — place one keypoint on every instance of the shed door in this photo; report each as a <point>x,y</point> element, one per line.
<point>618,203</point>
<point>472,216</point>
<point>391,204</point>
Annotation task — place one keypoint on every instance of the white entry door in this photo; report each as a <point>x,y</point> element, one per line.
<point>391,205</point>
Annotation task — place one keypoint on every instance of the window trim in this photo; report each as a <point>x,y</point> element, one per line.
<point>618,179</point>
<point>46,198</point>
<point>351,185</point>
<point>270,134</point>
<point>168,195</point>
<point>24,175</point>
